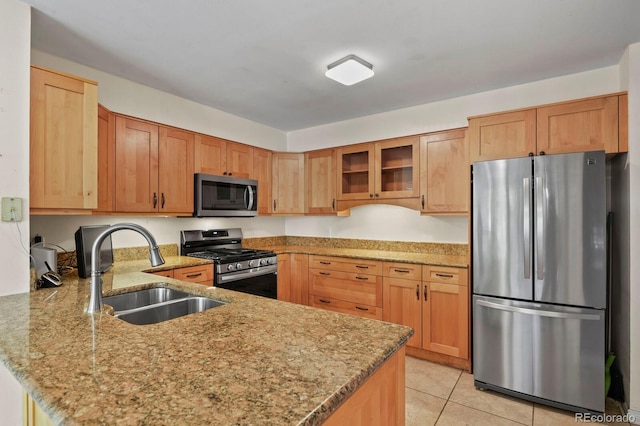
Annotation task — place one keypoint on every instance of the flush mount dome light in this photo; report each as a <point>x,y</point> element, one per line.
<point>349,70</point>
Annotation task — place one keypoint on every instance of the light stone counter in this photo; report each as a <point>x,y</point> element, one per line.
<point>252,361</point>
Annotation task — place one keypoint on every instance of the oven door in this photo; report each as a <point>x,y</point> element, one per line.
<point>262,281</point>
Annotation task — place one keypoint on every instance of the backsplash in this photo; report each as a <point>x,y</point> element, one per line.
<point>352,243</point>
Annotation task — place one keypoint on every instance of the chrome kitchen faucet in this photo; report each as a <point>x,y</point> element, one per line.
<point>95,300</point>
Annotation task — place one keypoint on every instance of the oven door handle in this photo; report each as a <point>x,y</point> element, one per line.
<point>249,273</point>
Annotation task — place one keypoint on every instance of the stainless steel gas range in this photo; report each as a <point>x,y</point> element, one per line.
<point>235,268</point>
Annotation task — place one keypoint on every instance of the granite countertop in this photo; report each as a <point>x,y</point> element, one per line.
<point>451,260</point>
<point>251,361</point>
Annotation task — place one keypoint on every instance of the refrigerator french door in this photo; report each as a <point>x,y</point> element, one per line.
<point>539,278</point>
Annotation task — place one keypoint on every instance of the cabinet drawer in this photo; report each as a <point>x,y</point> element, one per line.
<point>350,287</point>
<point>167,274</point>
<point>195,274</point>
<point>345,307</point>
<point>443,274</point>
<point>372,267</point>
<point>409,271</point>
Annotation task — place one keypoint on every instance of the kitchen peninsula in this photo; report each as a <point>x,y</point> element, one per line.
<point>251,361</point>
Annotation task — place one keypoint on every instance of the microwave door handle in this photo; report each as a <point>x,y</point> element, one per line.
<point>249,190</point>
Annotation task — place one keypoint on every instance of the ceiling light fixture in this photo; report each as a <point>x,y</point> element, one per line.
<point>349,70</point>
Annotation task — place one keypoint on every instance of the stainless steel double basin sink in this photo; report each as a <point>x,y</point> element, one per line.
<point>158,304</point>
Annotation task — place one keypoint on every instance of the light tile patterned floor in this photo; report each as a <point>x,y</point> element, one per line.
<point>442,395</point>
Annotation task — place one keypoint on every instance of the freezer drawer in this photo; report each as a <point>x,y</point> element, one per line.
<point>550,352</point>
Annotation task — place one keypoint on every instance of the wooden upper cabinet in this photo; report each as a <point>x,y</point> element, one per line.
<point>623,123</point>
<point>356,165</point>
<point>288,183</point>
<point>155,168</point>
<point>210,155</point>
<point>137,170</point>
<point>262,172</point>
<point>320,170</point>
<point>64,141</point>
<point>106,159</point>
<point>504,135</point>
<point>239,160</point>
<point>175,168</point>
<point>380,170</point>
<point>444,170</point>
<point>397,168</point>
<point>587,125</point>
<point>216,156</point>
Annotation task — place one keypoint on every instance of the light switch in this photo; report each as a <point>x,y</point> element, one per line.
<point>11,209</point>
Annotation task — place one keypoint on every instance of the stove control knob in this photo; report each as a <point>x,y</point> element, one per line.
<point>229,267</point>
<point>238,265</point>
<point>251,263</point>
<point>263,261</point>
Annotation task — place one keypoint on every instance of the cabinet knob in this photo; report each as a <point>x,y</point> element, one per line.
<point>370,195</point>
<point>425,293</point>
<point>162,203</point>
<point>422,201</point>
<point>155,200</point>
<point>377,195</point>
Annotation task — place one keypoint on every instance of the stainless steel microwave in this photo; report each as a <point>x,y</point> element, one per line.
<point>225,196</point>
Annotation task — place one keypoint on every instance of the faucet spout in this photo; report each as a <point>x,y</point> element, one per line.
<point>95,299</point>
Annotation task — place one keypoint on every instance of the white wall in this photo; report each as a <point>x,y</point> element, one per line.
<point>59,230</point>
<point>632,79</point>
<point>127,97</point>
<point>15,40</point>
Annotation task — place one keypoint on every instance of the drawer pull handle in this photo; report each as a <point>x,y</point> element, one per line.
<point>362,309</point>
<point>194,275</point>
<point>402,271</point>
<point>324,300</point>
<point>444,275</point>
<point>324,262</point>
<point>425,293</point>
<point>362,267</point>
<point>418,292</point>
<point>324,273</point>
<point>362,278</point>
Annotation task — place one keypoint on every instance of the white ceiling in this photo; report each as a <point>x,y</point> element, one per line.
<point>265,60</point>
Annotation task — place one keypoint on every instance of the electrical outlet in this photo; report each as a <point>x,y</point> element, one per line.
<point>11,209</point>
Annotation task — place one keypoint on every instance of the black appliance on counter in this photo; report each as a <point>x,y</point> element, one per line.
<point>235,268</point>
<point>85,236</point>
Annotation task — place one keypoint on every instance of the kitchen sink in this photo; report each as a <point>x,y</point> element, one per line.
<point>140,298</point>
<point>159,304</point>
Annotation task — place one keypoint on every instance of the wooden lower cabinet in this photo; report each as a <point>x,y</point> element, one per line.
<point>345,285</point>
<point>200,274</point>
<point>293,278</point>
<point>379,401</point>
<point>435,303</point>
<point>32,414</point>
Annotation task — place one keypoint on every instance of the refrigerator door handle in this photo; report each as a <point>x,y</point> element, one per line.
<point>540,313</point>
<point>526,225</point>
<point>539,228</point>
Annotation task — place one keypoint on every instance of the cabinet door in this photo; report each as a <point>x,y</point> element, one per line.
<point>356,172</point>
<point>445,325</point>
<point>444,169</point>
<point>397,168</point>
<point>63,142</point>
<point>262,166</point>
<point>137,166</point>
<point>288,183</point>
<point>239,160</point>
<point>294,287</point>
<point>210,155</point>
<point>320,172</point>
<point>175,168</point>
<point>589,125</point>
<point>505,135</point>
<point>401,304</point>
<point>106,159</point>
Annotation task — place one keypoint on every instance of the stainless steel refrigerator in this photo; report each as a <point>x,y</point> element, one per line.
<point>539,278</point>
